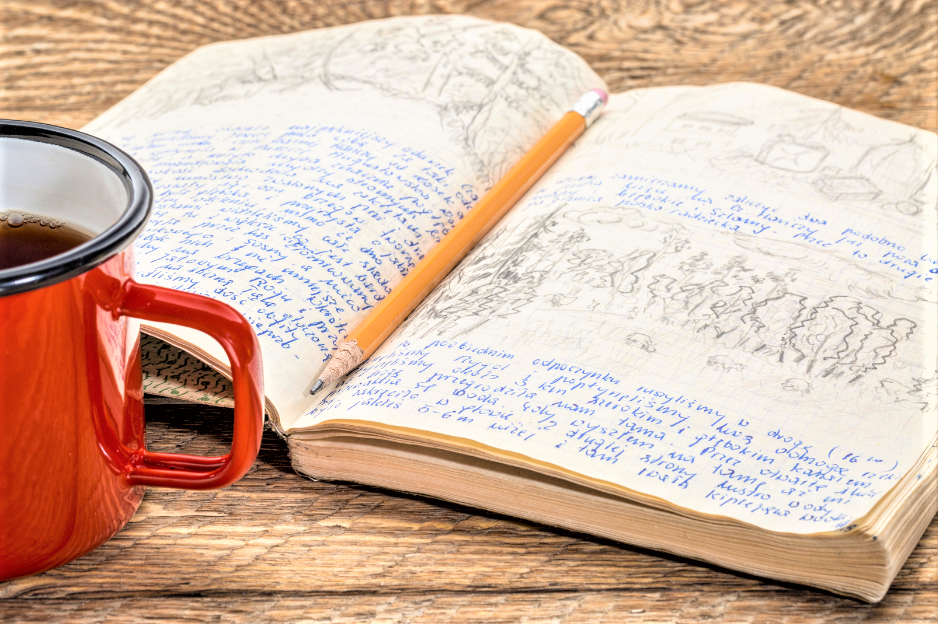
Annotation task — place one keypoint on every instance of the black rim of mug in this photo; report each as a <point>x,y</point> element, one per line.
<point>103,246</point>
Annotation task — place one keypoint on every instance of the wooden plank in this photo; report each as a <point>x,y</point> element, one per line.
<point>64,62</point>
<point>279,547</point>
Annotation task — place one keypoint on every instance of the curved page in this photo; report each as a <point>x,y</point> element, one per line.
<point>299,177</point>
<point>723,297</point>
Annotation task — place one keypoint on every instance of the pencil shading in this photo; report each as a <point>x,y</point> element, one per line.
<point>392,310</point>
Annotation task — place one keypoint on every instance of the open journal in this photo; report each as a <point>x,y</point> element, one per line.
<point>710,329</point>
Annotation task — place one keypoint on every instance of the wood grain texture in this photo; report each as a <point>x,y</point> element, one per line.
<point>278,547</point>
<point>66,61</point>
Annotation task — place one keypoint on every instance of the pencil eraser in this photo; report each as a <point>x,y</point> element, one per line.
<point>602,95</point>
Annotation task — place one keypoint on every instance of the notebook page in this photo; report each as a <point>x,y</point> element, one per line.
<point>723,297</point>
<point>299,177</point>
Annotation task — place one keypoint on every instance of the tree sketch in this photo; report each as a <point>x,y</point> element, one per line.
<point>570,280</point>
<point>479,81</point>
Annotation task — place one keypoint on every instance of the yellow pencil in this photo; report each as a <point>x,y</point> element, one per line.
<point>423,278</point>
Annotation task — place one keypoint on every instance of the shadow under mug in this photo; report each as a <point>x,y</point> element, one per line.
<point>73,459</point>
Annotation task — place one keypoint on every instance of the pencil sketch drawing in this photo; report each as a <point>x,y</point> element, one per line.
<point>580,279</point>
<point>778,141</point>
<point>479,81</point>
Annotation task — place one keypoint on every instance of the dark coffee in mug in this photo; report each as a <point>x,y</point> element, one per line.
<point>26,238</point>
<point>73,456</point>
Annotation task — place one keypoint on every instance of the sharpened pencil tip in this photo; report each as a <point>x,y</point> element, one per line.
<point>316,386</point>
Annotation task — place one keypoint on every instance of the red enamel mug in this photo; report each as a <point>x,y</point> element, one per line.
<point>73,459</point>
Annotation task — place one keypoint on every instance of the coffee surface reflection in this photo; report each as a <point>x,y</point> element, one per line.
<point>27,238</point>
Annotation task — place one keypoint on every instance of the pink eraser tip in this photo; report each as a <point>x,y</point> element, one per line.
<point>602,95</point>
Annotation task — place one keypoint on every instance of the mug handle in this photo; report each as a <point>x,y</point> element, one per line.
<point>233,332</point>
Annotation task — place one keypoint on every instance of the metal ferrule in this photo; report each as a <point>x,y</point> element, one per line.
<point>589,106</point>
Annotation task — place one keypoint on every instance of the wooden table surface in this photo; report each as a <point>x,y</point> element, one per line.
<point>279,547</point>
